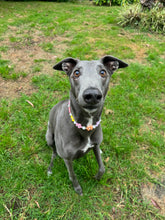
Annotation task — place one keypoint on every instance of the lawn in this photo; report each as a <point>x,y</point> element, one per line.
<point>33,37</point>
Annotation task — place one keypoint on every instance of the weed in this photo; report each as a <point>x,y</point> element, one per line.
<point>48,47</point>
<point>3,48</point>
<point>37,68</point>
<point>152,20</point>
<point>39,60</point>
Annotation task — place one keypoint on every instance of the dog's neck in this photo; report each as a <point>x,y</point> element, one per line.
<point>81,116</point>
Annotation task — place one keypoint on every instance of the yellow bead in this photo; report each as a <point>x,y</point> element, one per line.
<point>72,118</point>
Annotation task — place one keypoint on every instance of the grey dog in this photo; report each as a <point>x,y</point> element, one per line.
<point>74,124</point>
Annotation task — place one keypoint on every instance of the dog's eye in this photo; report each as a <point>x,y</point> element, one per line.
<point>103,73</point>
<point>76,73</point>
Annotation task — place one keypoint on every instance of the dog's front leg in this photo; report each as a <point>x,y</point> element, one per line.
<point>72,177</point>
<point>101,171</point>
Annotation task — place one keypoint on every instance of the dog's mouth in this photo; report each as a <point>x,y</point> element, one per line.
<point>90,108</point>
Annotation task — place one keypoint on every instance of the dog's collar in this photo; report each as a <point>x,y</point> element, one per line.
<point>78,125</point>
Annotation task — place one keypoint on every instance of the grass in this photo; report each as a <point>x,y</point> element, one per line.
<point>132,121</point>
<point>7,71</point>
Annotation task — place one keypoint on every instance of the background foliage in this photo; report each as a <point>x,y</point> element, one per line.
<point>114,2</point>
<point>97,2</point>
<point>152,20</point>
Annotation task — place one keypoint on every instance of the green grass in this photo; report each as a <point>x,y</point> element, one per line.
<point>3,48</point>
<point>133,144</point>
<point>7,71</point>
<point>47,47</point>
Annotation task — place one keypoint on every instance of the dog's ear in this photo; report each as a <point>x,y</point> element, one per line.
<point>113,63</point>
<point>66,65</point>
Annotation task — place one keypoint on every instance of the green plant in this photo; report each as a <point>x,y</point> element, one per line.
<point>102,2</point>
<point>114,2</point>
<point>47,46</point>
<point>4,48</point>
<point>153,20</point>
<point>36,68</point>
<point>130,16</point>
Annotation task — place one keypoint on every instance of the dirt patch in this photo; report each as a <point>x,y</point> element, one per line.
<point>25,54</point>
<point>24,60</point>
<point>12,89</point>
<point>140,52</point>
<point>154,193</point>
<point>25,51</point>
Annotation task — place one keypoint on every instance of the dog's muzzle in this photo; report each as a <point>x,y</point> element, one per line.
<point>92,97</point>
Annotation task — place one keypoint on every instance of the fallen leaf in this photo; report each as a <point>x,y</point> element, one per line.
<point>30,103</point>
<point>108,111</point>
<point>8,211</point>
<point>149,35</point>
<point>155,203</point>
<point>47,211</point>
<point>113,210</point>
<point>107,159</point>
<point>37,204</point>
<point>21,87</point>
<point>150,122</point>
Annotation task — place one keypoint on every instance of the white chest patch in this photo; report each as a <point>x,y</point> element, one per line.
<point>90,122</point>
<point>88,145</point>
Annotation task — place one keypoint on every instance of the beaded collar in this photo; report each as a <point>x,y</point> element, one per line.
<point>78,125</point>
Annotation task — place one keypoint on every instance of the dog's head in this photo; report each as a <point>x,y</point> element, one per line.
<point>90,79</point>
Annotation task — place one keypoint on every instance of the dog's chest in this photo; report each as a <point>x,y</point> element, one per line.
<point>87,146</point>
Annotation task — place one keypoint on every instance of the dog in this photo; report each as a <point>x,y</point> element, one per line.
<point>74,124</point>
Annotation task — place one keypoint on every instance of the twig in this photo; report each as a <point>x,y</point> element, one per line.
<point>30,103</point>
<point>11,216</point>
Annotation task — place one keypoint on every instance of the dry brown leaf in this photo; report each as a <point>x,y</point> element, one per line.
<point>107,159</point>
<point>150,122</point>
<point>155,204</point>
<point>108,111</point>
<point>30,103</point>
<point>37,204</point>
<point>113,210</point>
<point>8,211</point>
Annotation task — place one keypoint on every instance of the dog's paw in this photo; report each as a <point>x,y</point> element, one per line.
<point>78,190</point>
<point>100,174</point>
<point>97,176</point>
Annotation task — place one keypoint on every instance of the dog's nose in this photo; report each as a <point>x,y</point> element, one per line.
<point>92,96</point>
